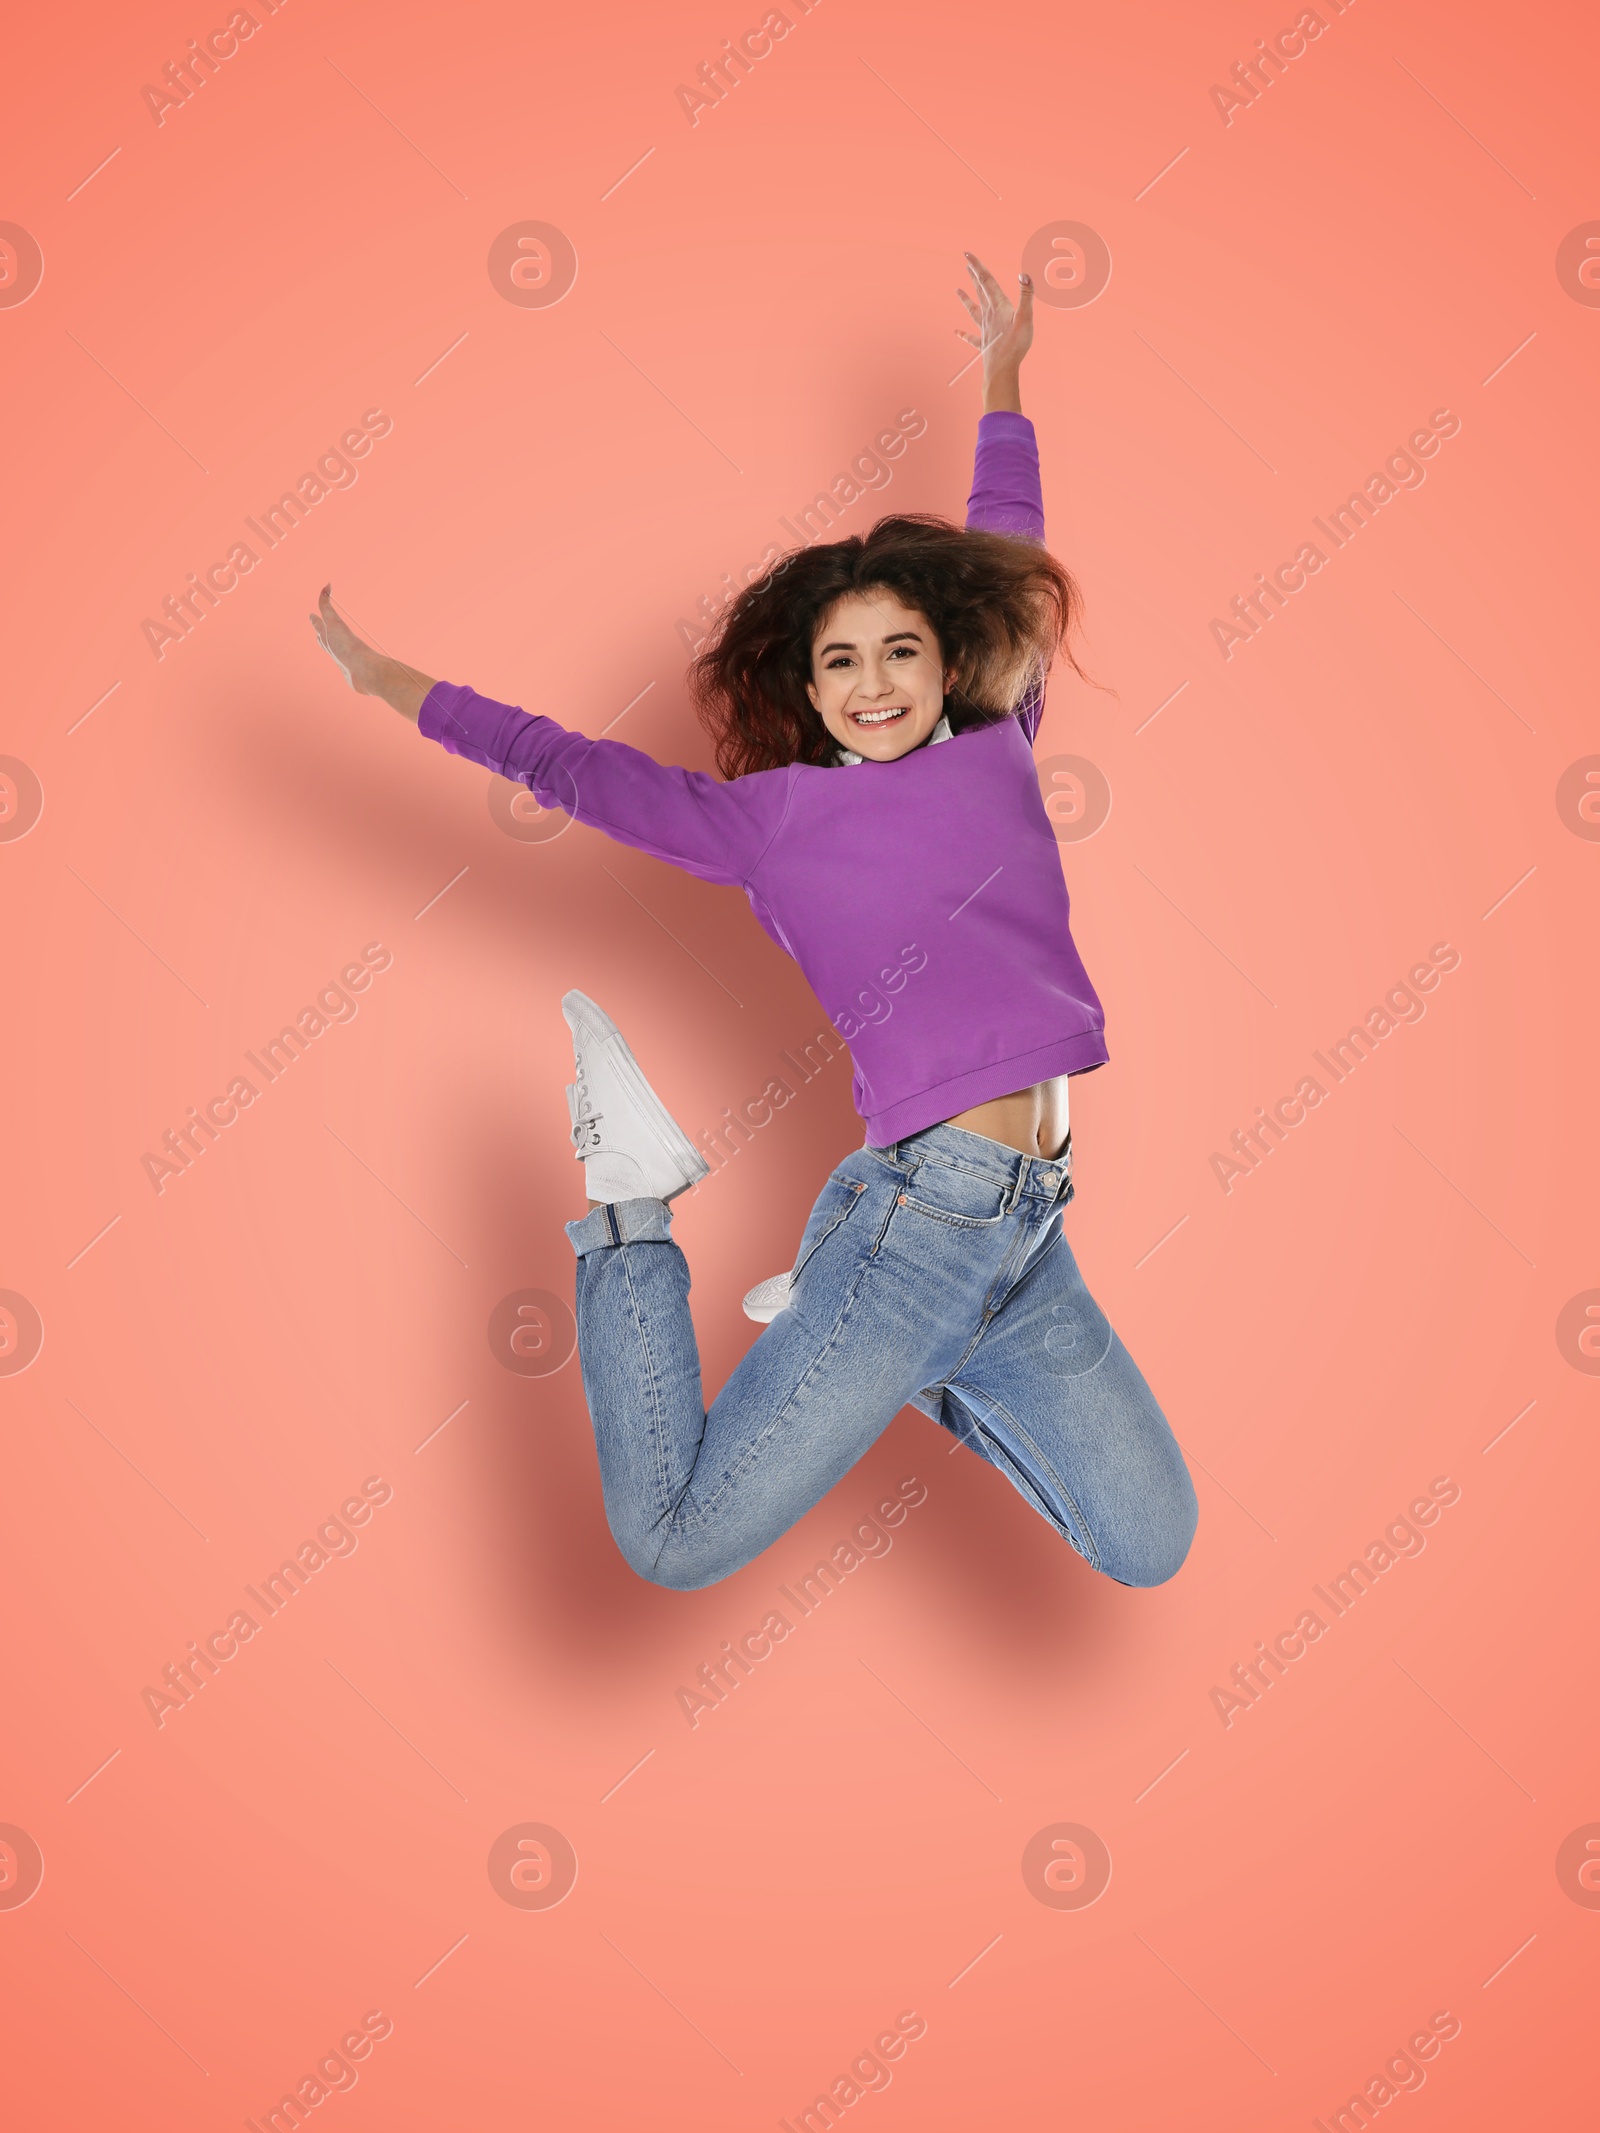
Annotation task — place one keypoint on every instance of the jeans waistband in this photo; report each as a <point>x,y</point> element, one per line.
<point>1019,1176</point>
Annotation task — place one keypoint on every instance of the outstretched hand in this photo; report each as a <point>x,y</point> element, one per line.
<point>356,661</point>
<point>1004,331</point>
<point>369,673</point>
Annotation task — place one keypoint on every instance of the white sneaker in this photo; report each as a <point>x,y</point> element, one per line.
<point>768,1298</point>
<point>630,1145</point>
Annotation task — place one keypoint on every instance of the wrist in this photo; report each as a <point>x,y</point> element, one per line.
<point>1002,392</point>
<point>401,687</point>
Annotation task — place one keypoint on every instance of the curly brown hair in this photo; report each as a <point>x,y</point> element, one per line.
<point>1000,605</point>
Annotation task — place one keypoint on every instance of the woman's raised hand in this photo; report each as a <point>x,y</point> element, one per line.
<point>1004,332</point>
<point>356,661</point>
<point>368,672</point>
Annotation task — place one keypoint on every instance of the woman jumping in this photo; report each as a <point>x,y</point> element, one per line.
<point>924,901</point>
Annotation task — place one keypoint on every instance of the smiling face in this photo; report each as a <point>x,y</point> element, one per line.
<point>877,677</point>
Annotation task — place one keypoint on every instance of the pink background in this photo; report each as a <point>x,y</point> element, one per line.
<point>1293,1895</point>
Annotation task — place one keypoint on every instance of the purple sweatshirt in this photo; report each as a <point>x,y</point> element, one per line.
<point>923,898</point>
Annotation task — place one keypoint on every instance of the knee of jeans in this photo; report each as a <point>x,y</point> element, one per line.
<point>677,1568</point>
<point>1160,1548</point>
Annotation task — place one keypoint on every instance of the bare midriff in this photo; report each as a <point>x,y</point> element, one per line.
<point>1032,1120</point>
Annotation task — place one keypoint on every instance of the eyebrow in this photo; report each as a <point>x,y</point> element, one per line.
<point>899,635</point>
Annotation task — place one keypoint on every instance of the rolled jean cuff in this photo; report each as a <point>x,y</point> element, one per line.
<point>621,1222</point>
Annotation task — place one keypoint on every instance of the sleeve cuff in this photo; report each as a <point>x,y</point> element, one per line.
<point>436,720</point>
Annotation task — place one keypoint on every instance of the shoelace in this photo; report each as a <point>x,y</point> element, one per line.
<point>586,1129</point>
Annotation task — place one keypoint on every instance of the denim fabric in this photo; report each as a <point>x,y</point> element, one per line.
<point>932,1273</point>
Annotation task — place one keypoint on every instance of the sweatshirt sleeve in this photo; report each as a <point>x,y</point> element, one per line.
<point>1007,498</point>
<point>713,829</point>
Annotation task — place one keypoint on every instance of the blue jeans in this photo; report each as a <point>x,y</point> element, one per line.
<point>932,1273</point>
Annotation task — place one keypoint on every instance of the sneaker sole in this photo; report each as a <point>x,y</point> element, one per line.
<point>761,1306</point>
<point>668,1131</point>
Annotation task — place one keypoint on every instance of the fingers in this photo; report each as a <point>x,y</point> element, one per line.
<point>992,289</point>
<point>981,278</point>
<point>997,315</point>
<point>325,625</point>
<point>985,280</point>
<point>975,313</point>
<point>329,625</point>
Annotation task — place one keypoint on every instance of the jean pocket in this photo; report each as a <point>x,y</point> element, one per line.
<point>836,1203</point>
<point>958,1197</point>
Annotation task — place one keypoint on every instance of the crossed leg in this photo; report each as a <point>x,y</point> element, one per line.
<point>1049,1395</point>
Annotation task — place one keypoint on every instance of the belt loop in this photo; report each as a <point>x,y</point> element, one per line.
<point>1016,1190</point>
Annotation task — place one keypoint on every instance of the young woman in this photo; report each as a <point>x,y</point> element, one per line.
<point>873,702</point>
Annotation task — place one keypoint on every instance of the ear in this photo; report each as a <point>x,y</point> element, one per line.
<point>816,700</point>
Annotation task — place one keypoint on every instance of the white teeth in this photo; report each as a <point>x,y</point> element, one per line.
<point>878,718</point>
